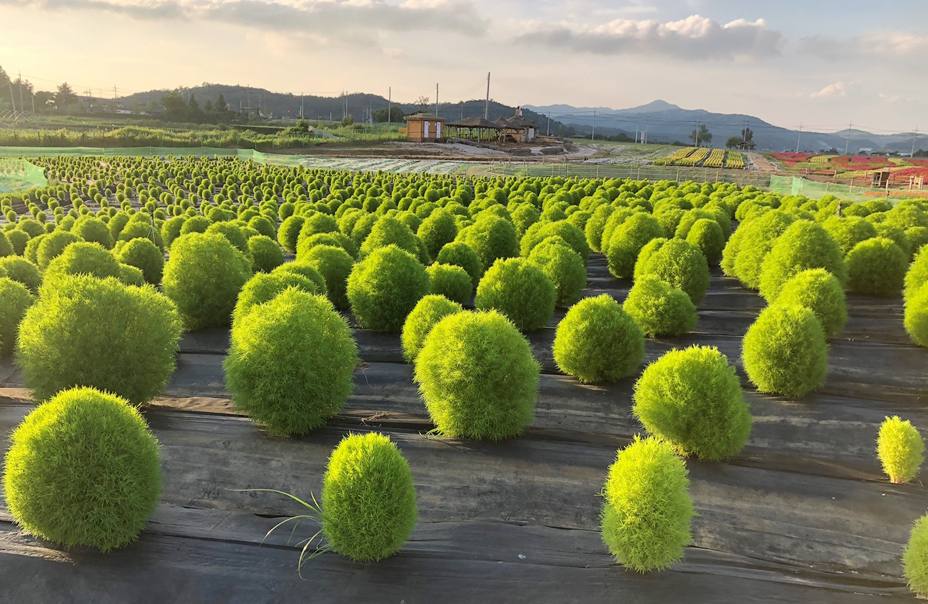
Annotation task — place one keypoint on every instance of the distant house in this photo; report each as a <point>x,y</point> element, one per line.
<point>516,129</point>
<point>424,127</point>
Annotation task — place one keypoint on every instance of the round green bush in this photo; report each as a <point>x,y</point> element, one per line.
<point>451,281</point>
<point>390,231</point>
<point>627,240</point>
<point>303,270</point>
<point>203,276</point>
<point>265,251</point>
<point>170,230</point>
<point>901,449</point>
<point>32,249</point>
<point>492,238</point>
<point>21,270</point>
<point>337,239</point>
<point>92,229</point>
<point>428,312</point>
<point>752,243</point>
<point>692,398</point>
<point>196,224</point>
<point>916,237</point>
<point>461,254</point>
<point>519,290</point>
<point>647,510</point>
<point>6,248</point>
<point>83,470</point>
<point>563,266</point>
<point>130,275</point>
<point>877,267</point>
<point>570,234</point>
<point>478,377</point>
<point>289,231</point>
<point>915,558</point>
<point>676,262</point>
<point>849,231</point>
<point>264,287</point>
<point>335,266</point>
<point>15,300</point>
<point>385,286</point>
<point>916,316</point>
<point>18,239</point>
<point>368,498</point>
<point>915,277</point>
<point>802,246</point>
<point>707,236</point>
<point>82,258</point>
<point>230,231</point>
<point>785,352</point>
<point>52,246</point>
<point>145,256</point>
<point>659,308</point>
<point>819,291</point>
<point>98,333</point>
<point>438,230</point>
<point>597,341</point>
<point>291,362</point>
<point>263,225</point>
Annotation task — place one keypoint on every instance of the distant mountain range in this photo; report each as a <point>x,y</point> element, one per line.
<point>665,122</point>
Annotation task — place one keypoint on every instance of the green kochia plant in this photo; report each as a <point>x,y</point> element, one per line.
<point>83,469</point>
<point>901,449</point>
<point>647,510</point>
<point>428,311</point>
<point>676,262</point>
<point>385,286</point>
<point>819,291</point>
<point>291,362</point>
<point>915,558</point>
<point>15,300</point>
<point>659,308</point>
<point>519,290</point>
<point>692,398</point>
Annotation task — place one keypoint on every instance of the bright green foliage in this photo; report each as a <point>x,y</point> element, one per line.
<point>204,295</point>
<point>478,377</point>
<point>385,286</point>
<point>755,239</point>
<point>692,398</point>
<point>93,229</point>
<point>916,237</point>
<point>335,265</point>
<point>659,308</point>
<point>785,352</point>
<point>304,270</point>
<point>916,276</point>
<point>21,270</point>
<point>368,498</point>
<point>901,449</point>
<point>627,240</point>
<point>18,239</point>
<point>461,254</point>
<point>819,291</point>
<point>291,362</point>
<point>197,224</point>
<point>915,558</point>
<point>289,232</point>
<point>82,258</point>
<point>647,510</point>
<point>916,316</point>
<point>337,239</point>
<point>491,238</point>
<point>876,267</point>
<point>570,234</point>
<point>451,281</point>
<point>99,333</point>
<point>597,341</point>
<point>390,231</point>
<point>438,230</point>
<point>560,263</point>
<point>616,218</point>
<point>83,470</point>
<point>170,230</point>
<point>265,251</point>
<point>595,225</point>
<point>524,216</point>
<point>144,255</point>
<point>264,226</point>
<point>52,246</point>
<point>427,313</point>
<point>130,275</point>
<point>15,300</point>
<point>264,287</point>
<point>519,290</point>
<point>676,262</point>
<point>706,234</point>
<point>802,246</point>
<point>234,234</point>
<point>849,231</point>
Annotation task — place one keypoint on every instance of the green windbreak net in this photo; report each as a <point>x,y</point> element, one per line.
<point>790,185</point>
<point>19,175</point>
<point>246,154</point>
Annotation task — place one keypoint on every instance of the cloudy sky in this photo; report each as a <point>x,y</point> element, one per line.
<point>822,63</point>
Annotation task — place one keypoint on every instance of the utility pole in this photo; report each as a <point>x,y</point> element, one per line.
<point>462,110</point>
<point>798,138</point>
<point>593,136</point>
<point>486,107</point>
<point>548,127</point>
<point>301,105</point>
<point>636,134</point>
<point>22,106</point>
<point>847,143</point>
<point>436,98</point>
<point>390,104</point>
<point>697,134</point>
<point>12,98</point>
<point>915,136</point>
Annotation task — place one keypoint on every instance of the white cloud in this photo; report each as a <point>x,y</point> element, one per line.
<point>892,45</point>
<point>695,37</point>
<point>838,89</point>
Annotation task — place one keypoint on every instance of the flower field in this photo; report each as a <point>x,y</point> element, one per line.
<point>703,157</point>
<point>850,166</point>
<point>238,382</point>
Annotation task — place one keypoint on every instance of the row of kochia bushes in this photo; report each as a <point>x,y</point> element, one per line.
<point>367,249</point>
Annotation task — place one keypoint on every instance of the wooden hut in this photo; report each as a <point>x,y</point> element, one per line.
<point>424,128</point>
<point>516,129</point>
<point>475,128</point>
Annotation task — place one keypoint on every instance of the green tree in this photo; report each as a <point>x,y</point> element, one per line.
<point>701,136</point>
<point>175,109</point>
<point>733,141</point>
<point>194,113</point>
<point>396,115</point>
<point>221,105</point>
<point>347,120</point>
<point>64,96</point>
<point>208,106</point>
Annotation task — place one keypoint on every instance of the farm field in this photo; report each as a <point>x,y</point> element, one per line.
<point>850,166</point>
<point>703,157</point>
<point>797,509</point>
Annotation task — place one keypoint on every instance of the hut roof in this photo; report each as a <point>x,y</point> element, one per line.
<point>515,121</point>
<point>474,122</point>
<point>422,116</point>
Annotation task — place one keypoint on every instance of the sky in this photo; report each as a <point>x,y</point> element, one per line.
<point>821,64</point>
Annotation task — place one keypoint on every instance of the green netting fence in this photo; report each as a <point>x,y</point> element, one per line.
<point>257,156</point>
<point>792,185</point>
<point>19,175</point>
